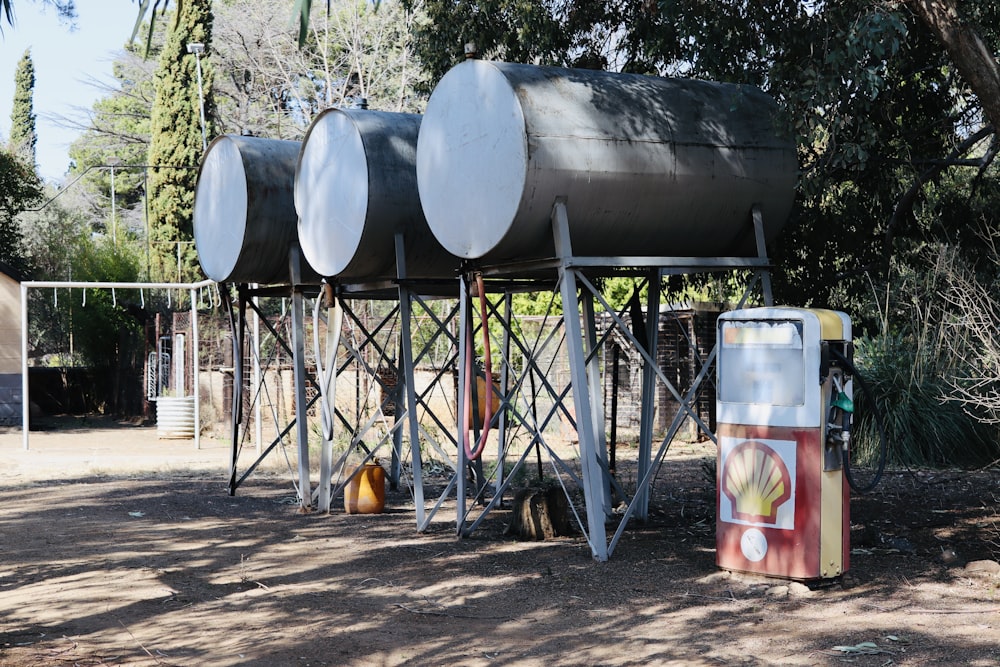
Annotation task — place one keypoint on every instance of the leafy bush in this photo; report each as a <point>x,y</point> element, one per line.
<point>911,387</point>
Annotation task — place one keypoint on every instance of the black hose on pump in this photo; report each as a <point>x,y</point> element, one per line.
<point>879,424</point>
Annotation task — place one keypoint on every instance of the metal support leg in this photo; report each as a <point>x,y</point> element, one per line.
<point>592,476</point>
<point>299,364</point>
<point>396,462</point>
<point>409,392</point>
<point>328,380</point>
<point>257,378</point>
<point>463,361</point>
<point>763,274</point>
<point>508,305</point>
<point>648,400</point>
<point>195,367</point>
<point>596,397</point>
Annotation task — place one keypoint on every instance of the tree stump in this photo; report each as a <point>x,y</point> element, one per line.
<point>540,513</point>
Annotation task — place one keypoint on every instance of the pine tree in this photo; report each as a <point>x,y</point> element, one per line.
<point>176,141</point>
<point>22,115</point>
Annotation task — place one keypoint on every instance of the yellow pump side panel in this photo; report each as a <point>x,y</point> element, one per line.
<point>831,523</point>
<point>831,326</point>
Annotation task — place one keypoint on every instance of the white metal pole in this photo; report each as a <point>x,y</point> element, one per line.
<point>258,430</point>
<point>25,411</point>
<point>194,370</point>
<point>299,370</point>
<point>101,284</point>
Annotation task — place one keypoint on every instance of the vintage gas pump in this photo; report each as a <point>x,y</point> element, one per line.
<point>784,416</point>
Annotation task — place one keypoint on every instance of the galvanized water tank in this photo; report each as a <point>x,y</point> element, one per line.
<point>355,188</point>
<point>244,211</point>
<point>649,166</point>
<point>175,417</point>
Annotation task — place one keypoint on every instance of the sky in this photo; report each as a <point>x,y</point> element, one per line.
<point>65,59</point>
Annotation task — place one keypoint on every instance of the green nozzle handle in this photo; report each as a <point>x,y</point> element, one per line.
<point>844,402</point>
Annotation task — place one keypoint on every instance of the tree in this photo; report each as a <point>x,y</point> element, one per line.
<point>115,130</point>
<point>53,236</point>
<point>967,46</point>
<point>875,104</point>
<point>176,141</point>
<point>19,189</point>
<point>22,116</point>
<point>272,87</point>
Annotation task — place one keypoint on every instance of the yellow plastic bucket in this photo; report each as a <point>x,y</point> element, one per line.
<point>365,493</point>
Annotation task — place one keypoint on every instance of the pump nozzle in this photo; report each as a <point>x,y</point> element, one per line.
<point>844,402</point>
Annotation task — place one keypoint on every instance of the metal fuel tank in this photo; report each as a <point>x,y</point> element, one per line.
<point>355,189</point>
<point>648,166</point>
<point>244,213</point>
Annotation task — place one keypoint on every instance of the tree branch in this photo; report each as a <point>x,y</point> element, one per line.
<point>966,48</point>
<point>904,206</point>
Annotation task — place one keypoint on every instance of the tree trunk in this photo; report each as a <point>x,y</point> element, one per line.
<point>965,47</point>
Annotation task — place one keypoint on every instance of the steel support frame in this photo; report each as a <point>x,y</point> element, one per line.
<point>247,297</point>
<point>518,395</point>
<point>579,325</point>
<point>407,400</point>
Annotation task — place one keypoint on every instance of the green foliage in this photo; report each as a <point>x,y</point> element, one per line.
<point>176,142</point>
<point>22,115</point>
<point>923,367</point>
<point>60,246</point>
<point>20,188</point>
<point>536,303</point>
<point>923,426</point>
<point>52,236</point>
<point>509,30</point>
<point>100,321</point>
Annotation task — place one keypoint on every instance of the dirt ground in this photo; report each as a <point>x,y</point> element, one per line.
<point>120,549</point>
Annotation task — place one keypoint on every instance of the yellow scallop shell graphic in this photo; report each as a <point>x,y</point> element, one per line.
<point>757,482</point>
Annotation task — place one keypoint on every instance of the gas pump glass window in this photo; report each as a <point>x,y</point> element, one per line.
<point>762,362</point>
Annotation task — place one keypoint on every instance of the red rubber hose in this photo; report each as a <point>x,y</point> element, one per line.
<point>488,368</point>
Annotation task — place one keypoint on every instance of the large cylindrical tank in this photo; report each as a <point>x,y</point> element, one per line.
<point>648,166</point>
<point>355,189</point>
<point>244,212</point>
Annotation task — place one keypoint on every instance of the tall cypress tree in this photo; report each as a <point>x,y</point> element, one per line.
<point>22,115</point>
<point>176,143</point>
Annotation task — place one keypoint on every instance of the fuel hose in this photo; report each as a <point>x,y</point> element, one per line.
<point>471,453</point>
<point>879,426</point>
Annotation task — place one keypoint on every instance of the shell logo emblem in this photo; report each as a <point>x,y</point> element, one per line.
<point>757,482</point>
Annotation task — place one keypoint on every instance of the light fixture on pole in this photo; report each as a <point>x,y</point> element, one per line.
<point>197,48</point>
